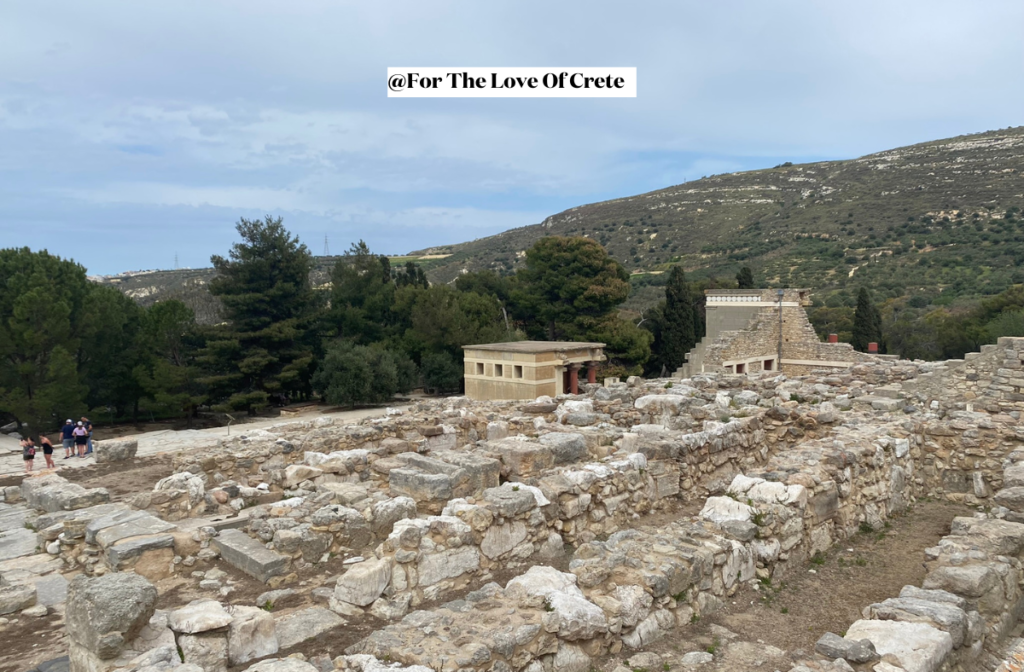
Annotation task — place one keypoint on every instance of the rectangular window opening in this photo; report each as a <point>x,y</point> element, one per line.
<point>741,368</point>
<point>499,371</point>
<point>517,372</point>
<point>479,368</point>
<point>768,364</point>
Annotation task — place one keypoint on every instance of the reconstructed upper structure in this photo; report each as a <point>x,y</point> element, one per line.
<point>742,336</point>
<point>528,369</point>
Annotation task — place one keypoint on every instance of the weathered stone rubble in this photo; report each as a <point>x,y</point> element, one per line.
<point>437,499</point>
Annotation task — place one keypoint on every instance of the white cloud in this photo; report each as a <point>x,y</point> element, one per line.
<point>257,105</point>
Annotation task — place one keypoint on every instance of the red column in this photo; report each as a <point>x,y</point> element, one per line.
<point>591,372</point>
<point>574,379</point>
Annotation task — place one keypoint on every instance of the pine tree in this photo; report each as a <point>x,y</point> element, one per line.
<point>745,278</point>
<point>867,322</point>
<point>42,299</point>
<point>678,333</point>
<point>266,348</point>
<point>568,287</point>
<point>362,295</point>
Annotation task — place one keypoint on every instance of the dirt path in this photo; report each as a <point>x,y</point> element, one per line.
<point>806,600</point>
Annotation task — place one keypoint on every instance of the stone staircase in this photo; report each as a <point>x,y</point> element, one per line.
<point>694,363</point>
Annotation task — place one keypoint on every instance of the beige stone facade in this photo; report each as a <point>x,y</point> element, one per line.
<point>528,369</point>
<point>742,336</point>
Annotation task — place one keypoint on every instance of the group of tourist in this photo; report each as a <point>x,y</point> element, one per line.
<point>75,437</point>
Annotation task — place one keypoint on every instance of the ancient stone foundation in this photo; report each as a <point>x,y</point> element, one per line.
<point>552,535</point>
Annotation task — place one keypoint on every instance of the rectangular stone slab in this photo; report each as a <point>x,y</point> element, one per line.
<point>17,543</point>
<point>299,626</point>
<point>15,517</point>
<point>136,546</point>
<point>242,551</point>
<point>97,525</point>
<point>142,526</point>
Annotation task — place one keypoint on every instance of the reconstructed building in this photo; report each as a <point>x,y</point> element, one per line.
<point>528,369</point>
<point>743,328</point>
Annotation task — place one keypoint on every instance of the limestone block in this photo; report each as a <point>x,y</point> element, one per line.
<point>199,616</point>
<point>567,448</point>
<point>833,646</point>
<point>720,509</point>
<point>449,564</point>
<point>186,481</point>
<point>281,665</point>
<point>537,583</point>
<point>509,501</point>
<point>363,582</point>
<point>917,647</point>
<point>208,650</point>
<point>523,459</point>
<point>105,612</point>
<point>940,615</point>
<point>297,473</point>
<point>300,626</point>
<point>16,597</point>
<point>497,429</point>
<point>1011,498</point>
<point>970,581</point>
<point>389,512</point>
<point>420,486</point>
<point>115,450</point>
<point>249,555</point>
<point>251,634</point>
<point>500,539</point>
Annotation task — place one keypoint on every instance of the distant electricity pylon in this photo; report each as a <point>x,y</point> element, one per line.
<point>327,248</point>
<point>175,261</point>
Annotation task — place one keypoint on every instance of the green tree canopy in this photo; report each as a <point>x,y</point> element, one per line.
<point>441,372</point>
<point>568,287</point>
<point>266,348</point>
<point>362,294</point>
<point>867,322</point>
<point>745,278</point>
<point>113,345</point>
<point>168,374</point>
<point>356,374</point>
<point>678,335</point>
<point>441,319</point>
<point>42,302</point>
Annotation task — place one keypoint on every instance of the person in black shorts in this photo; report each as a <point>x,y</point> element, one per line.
<point>81,438</point>
<point>28,453</point>
<point>47,447</point>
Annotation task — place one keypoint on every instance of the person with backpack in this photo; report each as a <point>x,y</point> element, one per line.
<point>81,438</point>
<point>28,453</point>
<point>47,447</point>
<point>88,428</point>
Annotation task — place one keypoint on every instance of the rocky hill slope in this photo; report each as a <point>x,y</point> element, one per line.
<point>940,219</point>
<point>923,217</point>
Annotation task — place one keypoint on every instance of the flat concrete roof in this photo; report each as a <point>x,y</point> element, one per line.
<point>533,346</point>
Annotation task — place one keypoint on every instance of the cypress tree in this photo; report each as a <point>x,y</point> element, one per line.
<point>867,322</point>
<point>745,278</point>
<point>678,332</point>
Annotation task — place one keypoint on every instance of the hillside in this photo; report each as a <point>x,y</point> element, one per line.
<point>922,218</point>
<point>939,220</point>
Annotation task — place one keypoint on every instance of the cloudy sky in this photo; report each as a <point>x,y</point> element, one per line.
<point>133,131</point>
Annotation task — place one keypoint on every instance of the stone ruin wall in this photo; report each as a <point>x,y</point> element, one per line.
<point>784,468</point>
<point>761,338</point>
